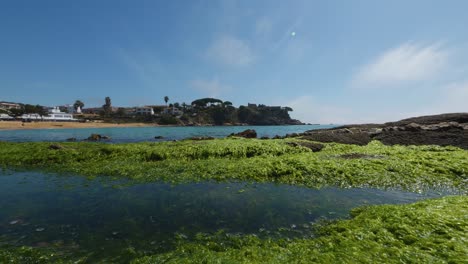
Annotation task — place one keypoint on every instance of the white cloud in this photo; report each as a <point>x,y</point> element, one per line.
<point>210,88</point>
<point>230,51</point>
<point>408,62</point>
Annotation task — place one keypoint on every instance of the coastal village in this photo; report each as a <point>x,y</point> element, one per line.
<point>205,111</point>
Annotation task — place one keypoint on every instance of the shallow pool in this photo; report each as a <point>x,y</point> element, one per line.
<point>103,218</point>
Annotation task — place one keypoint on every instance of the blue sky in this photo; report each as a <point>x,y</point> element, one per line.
<point>331,61</point>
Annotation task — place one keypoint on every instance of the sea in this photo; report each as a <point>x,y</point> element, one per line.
<point>148,134</point>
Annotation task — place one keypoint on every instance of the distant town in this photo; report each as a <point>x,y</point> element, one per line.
<point>205,111</point>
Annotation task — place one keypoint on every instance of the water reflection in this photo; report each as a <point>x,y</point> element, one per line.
<point>103,217</point>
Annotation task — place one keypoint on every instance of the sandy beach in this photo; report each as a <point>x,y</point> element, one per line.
<point>12,125</point>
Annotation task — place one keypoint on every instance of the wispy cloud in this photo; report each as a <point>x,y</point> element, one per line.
<point>230,51</point>
<point>210,88</point>
<point>408,62</point>
<point>145,67</point>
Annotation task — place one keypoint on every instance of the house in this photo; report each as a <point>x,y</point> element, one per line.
<point>8,106</point>
<point>172,111</point>
<point>144,110</point>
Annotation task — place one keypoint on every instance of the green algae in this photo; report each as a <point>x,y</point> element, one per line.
<point>430,231</point>
<point>414,168</point>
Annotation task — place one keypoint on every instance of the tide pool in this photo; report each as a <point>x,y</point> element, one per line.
<point>102,219</point>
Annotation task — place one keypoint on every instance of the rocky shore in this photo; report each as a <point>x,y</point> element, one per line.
<point>442,130</point>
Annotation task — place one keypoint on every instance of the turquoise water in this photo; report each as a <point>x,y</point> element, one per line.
<point>130,134</point>
<point>102,219</point>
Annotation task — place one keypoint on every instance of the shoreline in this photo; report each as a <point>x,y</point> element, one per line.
<point>19,125</point>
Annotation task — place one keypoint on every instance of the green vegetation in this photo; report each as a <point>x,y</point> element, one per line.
<point>375,165</point>
<point>431,231</point>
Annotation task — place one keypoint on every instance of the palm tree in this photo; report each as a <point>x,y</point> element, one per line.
<point>166,99</point>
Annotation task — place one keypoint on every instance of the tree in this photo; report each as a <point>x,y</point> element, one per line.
<point>166,99</point>
<point>77,104</point>
<point>205,101</point>
<point>176,105</point>
<point>121,111</point>
<point>107,107</point>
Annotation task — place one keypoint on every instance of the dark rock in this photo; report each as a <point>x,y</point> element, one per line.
<point>292,135</point>
<point>55,146</point>
<point>442,130</point>
<point>412,127</point>
<point>97,137</point>
<point>158,137</point>
<point>315,147</point>
<point>71,139</point>
<point>249,133</point>
<point>94,137</point>
<point>327,136</point>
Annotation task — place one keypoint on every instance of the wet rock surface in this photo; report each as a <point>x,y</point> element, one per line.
<point>315,147</point>
<point>249,133</point>
<point>97,137</point>
<point>442,130</point>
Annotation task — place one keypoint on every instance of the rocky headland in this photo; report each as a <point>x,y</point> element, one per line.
<point>443,130</point>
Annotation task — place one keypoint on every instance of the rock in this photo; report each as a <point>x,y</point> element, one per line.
<point>14,222</point>
<point>94,137</point>
<point>97,137</point>
<point>40,229</point>
<point>277,137</point>
<point>249,133</point>
<point>71,139</point>
<point>446,126</point>
<point>158,137</point>
<point>264,137</point>
<point>315,147</point>
<point>55,146</point>
<point>413,127</point>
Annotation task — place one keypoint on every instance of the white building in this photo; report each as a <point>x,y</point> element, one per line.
<point>5,117</point>
<point>172,111</point>
<point>8,106</point>
<point>144,110</point>
<point>56,115</point>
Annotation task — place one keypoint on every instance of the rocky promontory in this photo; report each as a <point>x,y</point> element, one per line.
<point>442,130</point>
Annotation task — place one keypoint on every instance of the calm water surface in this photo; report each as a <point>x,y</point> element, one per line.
<point>103,218</point>
<point>138,134</point>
